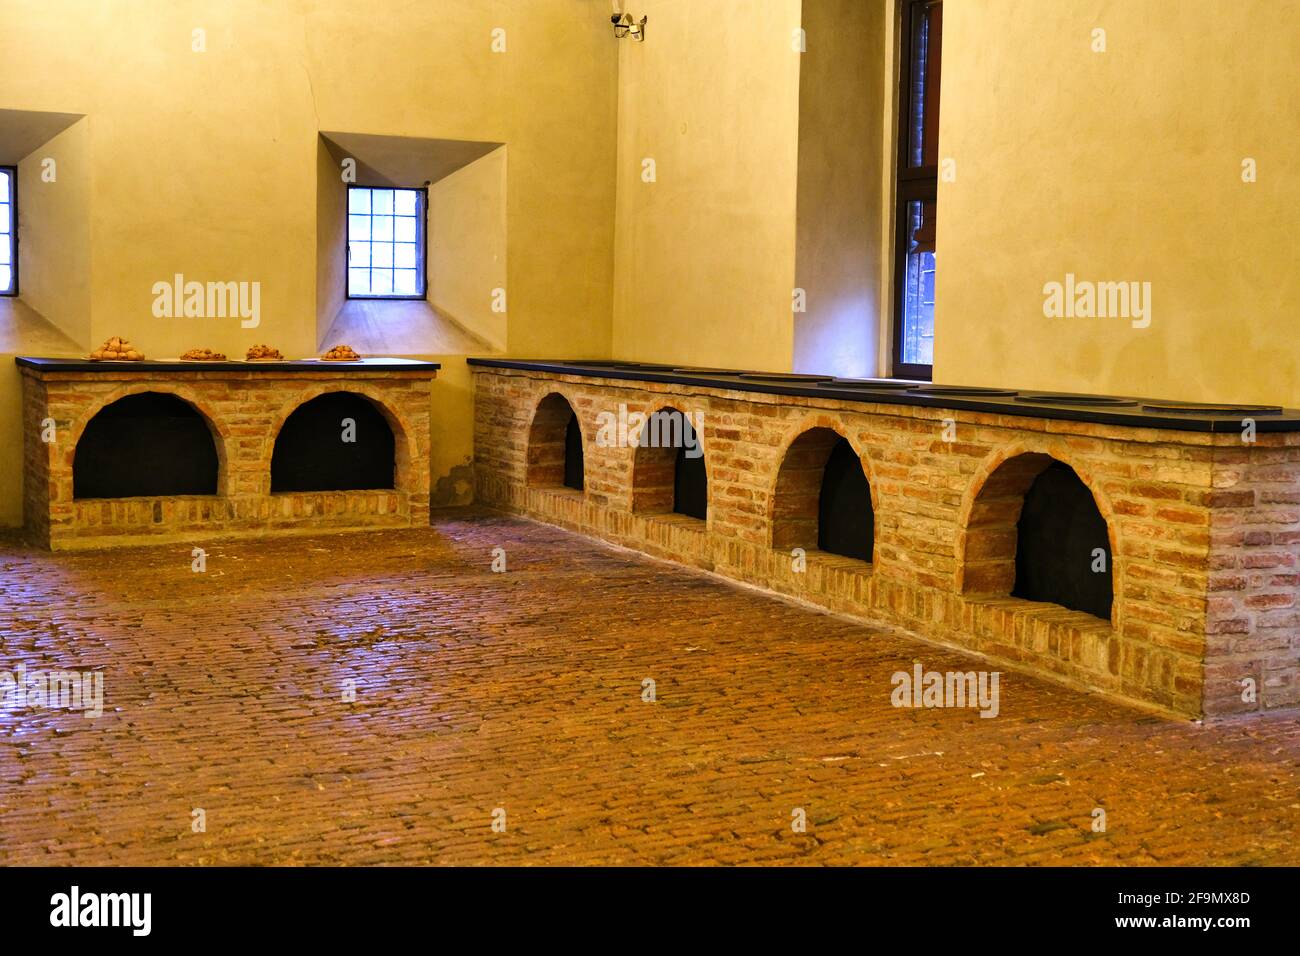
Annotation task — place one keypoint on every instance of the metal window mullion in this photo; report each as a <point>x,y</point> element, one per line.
<point>422,239</point>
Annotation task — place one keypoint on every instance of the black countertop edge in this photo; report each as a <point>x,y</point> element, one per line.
<point>1131,417</point>
<point>287,365</point>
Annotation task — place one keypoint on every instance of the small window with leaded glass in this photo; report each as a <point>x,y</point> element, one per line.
<point>8,230</point>
<point>386,243</point>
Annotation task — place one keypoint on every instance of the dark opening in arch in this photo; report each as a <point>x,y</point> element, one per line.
<point>554,454</point>
<point>148,444</point>
<point>334,442</point>
<point>845,521</point>
<point>822,497</point>
<point>1062,545</point>
<point>690,479</point>
<point>668,473</point>
<point>574,475</point>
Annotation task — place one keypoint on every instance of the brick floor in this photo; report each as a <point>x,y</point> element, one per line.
<point>475,690</point>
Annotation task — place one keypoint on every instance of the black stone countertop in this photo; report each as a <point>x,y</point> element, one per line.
<point>273,365</point>
<point>1102,409</point>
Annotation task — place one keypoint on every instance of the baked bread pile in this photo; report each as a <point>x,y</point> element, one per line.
<point>341,353</point>
<point>117,350</point>
<point>263,353</point>
<point>203,355</point>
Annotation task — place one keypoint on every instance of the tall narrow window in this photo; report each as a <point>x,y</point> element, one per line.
<point>8,230</point>
<point>918,180</point>
<point>386,248</point>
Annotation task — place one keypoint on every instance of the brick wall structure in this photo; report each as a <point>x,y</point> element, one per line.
<point>1204,529</point>
<point>244,408</point>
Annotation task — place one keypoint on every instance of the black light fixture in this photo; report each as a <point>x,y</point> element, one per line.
<point>625,26</point>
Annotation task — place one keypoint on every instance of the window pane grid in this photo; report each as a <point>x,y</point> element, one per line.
<point>385,243</point>
<point>8,229</point>
<point>918,295</point>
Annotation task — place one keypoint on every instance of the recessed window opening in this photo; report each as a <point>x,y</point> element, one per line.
<point>8,230</point>
<point>917,187</point>
<point>386,247</point>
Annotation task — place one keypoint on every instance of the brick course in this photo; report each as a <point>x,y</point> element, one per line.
<point>1205,530</point>
<point>244,411</point>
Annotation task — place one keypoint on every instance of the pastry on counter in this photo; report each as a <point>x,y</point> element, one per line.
<point>341,353</point>
<point>203,355</point>
<point>117,349</point>
<point>263,353</point>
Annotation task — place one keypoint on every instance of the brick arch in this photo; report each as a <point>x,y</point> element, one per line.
<point>405,446</point>
<point>795,491</point>
<point>544,465</point>
<point>990,512</point>
<point>654,469</point>
<point>219,430</point>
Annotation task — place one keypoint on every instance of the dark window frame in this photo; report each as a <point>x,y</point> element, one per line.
<point>912,184</point>
<point>421,240</point>
<point>13,229</point>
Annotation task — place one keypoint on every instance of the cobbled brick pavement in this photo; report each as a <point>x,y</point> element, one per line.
<point>522,691</point>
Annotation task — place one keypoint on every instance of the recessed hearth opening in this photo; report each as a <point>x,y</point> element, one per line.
<point>574,473</point>
<point>339,441</point>
<point>555,458</point>
<point>823,499</point>
<point>668,475</point>
<point>845,522</point>
<point>1062,545</point>
<point>145,445</point>
<point>1036,533</point>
